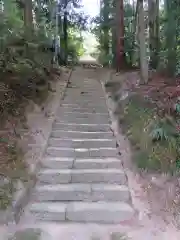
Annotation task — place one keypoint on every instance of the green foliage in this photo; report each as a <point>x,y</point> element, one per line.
<point>75,44</point>
<point>155,141</point>
<point>25,61</point>
<point>159,133</point>
<point>103,27</point>
<point>163,129</point>
<point>163,48</point>
<point>177,108</point>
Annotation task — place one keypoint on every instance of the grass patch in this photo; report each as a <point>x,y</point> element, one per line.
<point>27,234</point>
<point>118,236</point>
<point>155,146</point>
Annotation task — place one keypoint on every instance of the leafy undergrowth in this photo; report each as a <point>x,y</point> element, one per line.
<point>150,117</point>
<point>12,125</point>
<point>153,139</point>
<point>26,73</point>
<point>13,102</point>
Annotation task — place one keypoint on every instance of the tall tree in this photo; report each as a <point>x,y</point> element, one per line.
<point>114,33</point>
<point>105,26</point>
<point>28,16</point>
<point>142,42</point>
<point>171,37</point>
<point>65,31</point>
<point>153,17</point>
<point>120,54</point>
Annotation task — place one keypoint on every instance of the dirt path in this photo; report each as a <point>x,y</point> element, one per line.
<point>82,190</point>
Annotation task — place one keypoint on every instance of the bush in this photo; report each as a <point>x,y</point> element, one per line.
<point>25,63</point>
<point>155,140</point>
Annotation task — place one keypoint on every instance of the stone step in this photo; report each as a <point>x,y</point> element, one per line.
<point>100,212</point>
<point>56,142</point>
<point>46,211</point>
<point>81,192</point>
<point>85,93</point>
<point>84,110</point>
<point>91,104</point>
<point>82,115</point>
<point>78,97</point>
<point>97,163</point>
<point>82,121</point>
<point>57,162</point>
<point>81,135</point>
<point>68,163</point>
<point>81,127</point>
<point>55,176</point>
<point>85,99</point>
<point>82,152</point>
<point>67,231</point>
<point>81,108</point>
<point>83,105</point>
<point>97,118</point>
<point>85,89</point>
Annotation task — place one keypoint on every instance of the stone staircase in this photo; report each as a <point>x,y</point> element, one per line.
<point>81,177</point>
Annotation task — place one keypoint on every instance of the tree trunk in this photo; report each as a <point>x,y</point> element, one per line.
<point>120,54</point>
<point>114,44</point>
<point>1,6</point>
<point>28,17</point>
<point>153,17</point>
<point>114,33</point>
<point>171,37</point>
<point>65,31</point>
<point>142,47</point>
<point>134,52</point>
<point>106,28</point>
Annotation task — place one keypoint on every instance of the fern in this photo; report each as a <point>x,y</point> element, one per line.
<point>159,134</point>
<point>163,130</point>
<point>177,108</point>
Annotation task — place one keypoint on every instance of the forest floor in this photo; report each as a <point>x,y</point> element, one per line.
<point>152,166</point>
<point>22,138</point>
<point>155,194</point>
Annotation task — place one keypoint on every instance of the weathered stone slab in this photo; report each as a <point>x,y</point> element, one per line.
<point>60,152</point>
<point>57,162</point>
<point>81,135</point>
<point>53,176</point>
<point>107,143</point>
<point>99,212</point>
<point>82,128</point>
<point>63,192</point>
<point>82,121</point>
<point>83,110</point>
<point>70,143</point>
<point>70,115</point>
<point>98,176</point>
<point>110,192</point>
<point>48,211</point>
<point>97,163</point>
